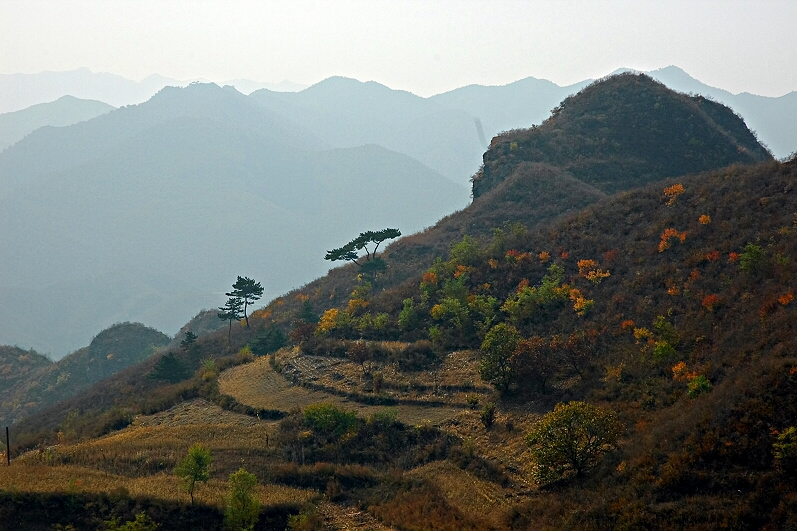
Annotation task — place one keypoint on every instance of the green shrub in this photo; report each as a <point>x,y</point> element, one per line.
<point>571,439</point>
<point>327,419</point>
<point>487,415</point>
<point>751,259</point>
<point>498,346</point>
<point>698,386</point>
<point>141,523</point>
<point>243,508</point>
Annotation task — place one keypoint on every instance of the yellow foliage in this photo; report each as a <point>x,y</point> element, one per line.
<point>705,219</point>
<point>665,238</point>
<point>642,333</point>
<point>355,304</point>
<point>585,266</point>
<point>614,372</point>
<point>681,373</point>
<point>262,314</point>
<point>328,321</point>
<point>672,193</point>
<point>580,304</point>
<point>589,270</point>
<point>429,279</point>
<point>461,270</point>
<point>597,275</point>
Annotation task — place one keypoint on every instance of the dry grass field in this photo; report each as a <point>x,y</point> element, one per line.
<point>26,476</point>
<point>473,496</point>
<point>256,384</point>
<point>141,458</point>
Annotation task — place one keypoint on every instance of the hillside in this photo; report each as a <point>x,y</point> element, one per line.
<point>568,163</point>
<point>148,212</point>
<point>623,132</point>
<point>66,110</point>
<point>17,364</point>
<point>37,382</point>
<point>714,306</point>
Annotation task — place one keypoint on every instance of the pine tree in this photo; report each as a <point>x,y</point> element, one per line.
<point>231,311</point>
<point>248,291</point>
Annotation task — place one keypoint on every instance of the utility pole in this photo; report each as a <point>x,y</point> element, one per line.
<point>8,448</point>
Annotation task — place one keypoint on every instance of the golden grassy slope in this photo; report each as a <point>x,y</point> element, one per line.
<point>258,385</point>
<point>41,477</point>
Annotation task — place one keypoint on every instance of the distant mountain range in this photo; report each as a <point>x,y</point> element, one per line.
<point>19,91</point>
<point>163,203</point>
<point>498,108</point>
<point>149,212</point>
<point>66,110</point>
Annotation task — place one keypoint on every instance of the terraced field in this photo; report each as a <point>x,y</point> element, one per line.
<point>307,380</point>
<point>139,460</point>
<point>475,497</point>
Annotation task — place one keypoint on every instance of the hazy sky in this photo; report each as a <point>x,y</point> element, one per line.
<point>425,46</point>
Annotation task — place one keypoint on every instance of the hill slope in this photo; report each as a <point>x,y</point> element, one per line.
<point>707,308</point>
<point>678,315</point>
<point>66,110</point>
<point>609,137</point>
<point>671,305</point>
<point>111,351</point>
<point>626,131</point>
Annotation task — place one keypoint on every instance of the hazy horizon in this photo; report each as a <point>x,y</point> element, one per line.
<point>423,47</point>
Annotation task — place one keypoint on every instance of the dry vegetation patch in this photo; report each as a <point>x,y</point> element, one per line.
<point>505,442</point>
<point>197,411</point>
<point>156,443</point>
<point>257,385</point>
<point>349,518</point>
<point>475,497</point>
<point>42,478</point>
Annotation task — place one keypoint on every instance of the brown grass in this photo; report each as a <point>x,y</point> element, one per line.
<point>475,497</point>
<point>257,385</point>
<point>37,477</point>
<point>349,518</point>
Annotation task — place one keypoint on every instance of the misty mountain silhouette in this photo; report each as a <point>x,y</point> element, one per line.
<point>149,212</point>
<point>66,110</point>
